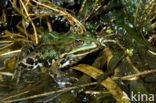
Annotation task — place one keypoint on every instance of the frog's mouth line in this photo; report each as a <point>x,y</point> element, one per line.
<point>86,51</point>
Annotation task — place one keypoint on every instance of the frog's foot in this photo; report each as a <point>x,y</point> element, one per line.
<point>56,74</point>
<point>60,78</point>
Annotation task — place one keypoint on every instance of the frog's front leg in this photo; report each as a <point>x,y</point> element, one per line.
<point>62,61</point>
<point>61,77</point>
<point>55,69</point>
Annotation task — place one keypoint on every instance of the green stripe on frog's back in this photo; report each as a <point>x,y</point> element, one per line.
<point>83,49</point>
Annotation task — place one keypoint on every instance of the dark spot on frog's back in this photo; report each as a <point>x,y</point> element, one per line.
<point>45,63</point>
<point>49,50</point>
<point>42,52</point>
<point>49,59</point>
<point>38,58</point>
<point>30,61</point>
<point>29,48</point>
<point>55,57</point>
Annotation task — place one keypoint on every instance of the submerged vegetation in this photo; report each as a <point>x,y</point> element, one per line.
<point>95,51</point>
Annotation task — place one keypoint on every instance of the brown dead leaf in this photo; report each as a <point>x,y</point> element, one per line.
<point>108,83</point>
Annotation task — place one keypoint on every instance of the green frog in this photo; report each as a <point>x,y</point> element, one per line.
<point>57,51</point>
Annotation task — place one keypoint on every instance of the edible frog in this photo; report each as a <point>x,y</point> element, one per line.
<point>57,51</point>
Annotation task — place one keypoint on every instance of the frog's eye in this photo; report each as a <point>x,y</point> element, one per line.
<point>79,41</point>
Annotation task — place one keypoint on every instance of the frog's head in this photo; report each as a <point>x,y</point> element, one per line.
<point>83,45</point>
<point>77,47</point>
